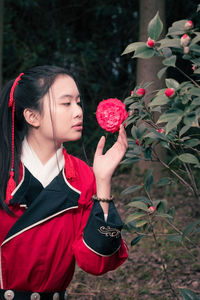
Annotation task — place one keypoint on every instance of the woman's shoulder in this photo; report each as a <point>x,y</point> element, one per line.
<point>77,168</point>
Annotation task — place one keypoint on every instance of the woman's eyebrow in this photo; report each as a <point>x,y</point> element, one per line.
<point>69,96</point>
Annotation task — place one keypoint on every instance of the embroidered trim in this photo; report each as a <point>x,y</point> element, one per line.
<point>109,231</point>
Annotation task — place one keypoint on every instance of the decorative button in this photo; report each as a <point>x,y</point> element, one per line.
<point>35,296</point>
<point>9,295</point>
<point>56,296</point>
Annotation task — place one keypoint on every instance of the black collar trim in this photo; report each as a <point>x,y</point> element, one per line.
<point>58,197</point>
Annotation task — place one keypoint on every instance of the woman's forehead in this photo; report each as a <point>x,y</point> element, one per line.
<point>64,85</point>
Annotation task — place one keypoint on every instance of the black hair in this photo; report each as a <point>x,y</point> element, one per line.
<point>33,86</point>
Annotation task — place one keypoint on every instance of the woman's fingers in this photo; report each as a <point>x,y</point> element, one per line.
<point>122,138</point>
<point>100,146</point>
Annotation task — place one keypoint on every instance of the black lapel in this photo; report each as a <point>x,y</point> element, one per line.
<point>57,197</point>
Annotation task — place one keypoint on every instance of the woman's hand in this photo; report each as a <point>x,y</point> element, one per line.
<point>105,164</point>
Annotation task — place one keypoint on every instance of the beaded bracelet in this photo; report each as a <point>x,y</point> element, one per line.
<point>107,200</point>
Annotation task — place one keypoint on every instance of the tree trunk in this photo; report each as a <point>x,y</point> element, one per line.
<point>1,40</point>
<point>147,69</point>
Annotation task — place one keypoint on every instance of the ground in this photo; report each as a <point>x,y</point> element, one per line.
<point>142,276</point>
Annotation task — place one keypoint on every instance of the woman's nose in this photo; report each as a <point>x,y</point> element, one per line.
<point>78,112</point>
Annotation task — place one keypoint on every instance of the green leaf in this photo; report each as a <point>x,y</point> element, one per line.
<point>138,204</point>
<point>140,223</point>
<point>167,52</point>
<point>134,132</point>
<point>169,43</point>
<point>131,189</point>
<point>195,40</point>
<point>156,108</point>
<point>142,198</point>
<point>137,239</point>
<point>188,229</point>
<point>171,125</point>
<point>161,207</point>
<point>135,216</point>
<point>174,238</point>
<point>148,153</point>
<point>148,180</point>
<point>183,130</point>
<point>163,215</point>
<point>178,25</point>
<point>155,27</point>
<point>143,52</point>
<point>159,100</point>
<point>171,212</point>
<point>170,61</point>
<point>188,294</point>
<point>173,117</point>
<point>132,47</point>
<point>194,91</point>
<point>164,181</point>
<point>130,160</point>
<point>196,101</point>
<point>172,83</point>
<point>161,72</point>
<point>192,142</point>
<point>188,158</point>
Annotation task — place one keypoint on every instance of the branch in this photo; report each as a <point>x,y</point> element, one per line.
<point>174,172</point>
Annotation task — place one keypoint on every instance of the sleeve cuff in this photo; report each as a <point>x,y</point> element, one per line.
<point>100,236</point>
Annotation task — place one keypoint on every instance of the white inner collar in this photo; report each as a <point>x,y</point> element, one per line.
<point>44,173</point>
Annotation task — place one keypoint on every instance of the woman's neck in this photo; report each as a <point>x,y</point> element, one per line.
<point>44,149</point>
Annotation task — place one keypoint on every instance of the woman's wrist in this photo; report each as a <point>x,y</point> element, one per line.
<point>104,192</point>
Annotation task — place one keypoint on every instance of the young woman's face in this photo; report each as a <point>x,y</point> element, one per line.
<point>62,111</point>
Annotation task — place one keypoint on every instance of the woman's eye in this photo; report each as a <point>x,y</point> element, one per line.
<point>79,103</point>
<point>67,103</point>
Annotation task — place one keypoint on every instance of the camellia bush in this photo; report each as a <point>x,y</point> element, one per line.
<point>177,130</point>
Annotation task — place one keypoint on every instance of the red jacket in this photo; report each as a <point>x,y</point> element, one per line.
<point>55,226</point>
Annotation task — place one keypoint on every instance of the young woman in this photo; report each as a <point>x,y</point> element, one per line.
<point>55,209</point>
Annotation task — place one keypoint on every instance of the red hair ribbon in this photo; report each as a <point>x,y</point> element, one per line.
<point>11,183</point>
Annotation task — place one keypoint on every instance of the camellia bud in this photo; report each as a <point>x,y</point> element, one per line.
<point>185,39</point>
<point>188,25</point>
<point>151,209</point>
<point>150,43</point>
<point>140,92</point>
<point>138,143</point>
<point>131,93</point>
<point>130,113</point>
<point>170,92</point>
<point>193,67</point>
<point>186,50</point>
<point>160,130</point>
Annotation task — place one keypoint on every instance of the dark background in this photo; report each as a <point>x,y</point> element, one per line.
<point>86,36</point>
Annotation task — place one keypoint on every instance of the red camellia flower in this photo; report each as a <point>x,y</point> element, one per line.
<point>170,92</point>
<point>185,39</point>
<point>110,114</point>
<point>151,209</point>
<point>188,25</point>
<point>150,43</point>
<point>140,92</point>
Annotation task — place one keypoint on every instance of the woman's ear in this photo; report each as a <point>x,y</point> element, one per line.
<point>32,117</point>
